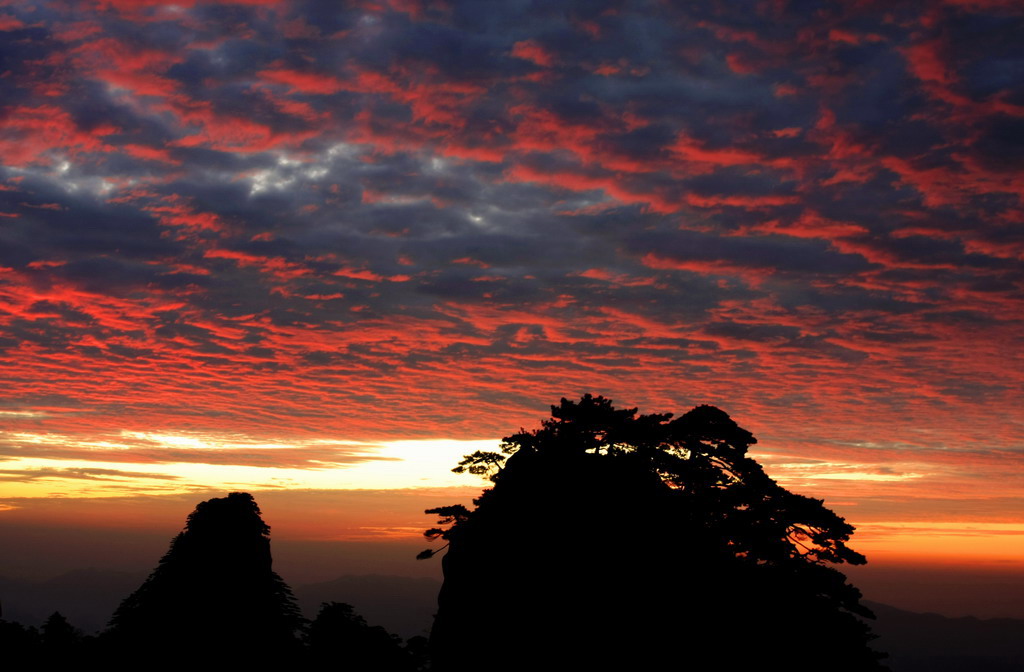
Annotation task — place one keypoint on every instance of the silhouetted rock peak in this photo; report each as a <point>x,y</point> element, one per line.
<point>214,591</point>
<point>227,532</point>
<point>236,514</point>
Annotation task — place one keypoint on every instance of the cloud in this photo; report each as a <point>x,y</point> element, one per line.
<point>84,473</point>
<point>401,220</point>
<point>142,447</point>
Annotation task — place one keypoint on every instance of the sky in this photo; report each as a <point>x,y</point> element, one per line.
<point>320,250</point>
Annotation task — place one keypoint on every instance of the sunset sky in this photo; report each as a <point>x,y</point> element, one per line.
<point>319,250</point>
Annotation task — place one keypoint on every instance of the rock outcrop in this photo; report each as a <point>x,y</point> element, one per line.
<point>214,596</point>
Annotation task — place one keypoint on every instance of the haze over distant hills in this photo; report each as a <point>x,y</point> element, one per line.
<point>86,597</point>
<point>933,643</point>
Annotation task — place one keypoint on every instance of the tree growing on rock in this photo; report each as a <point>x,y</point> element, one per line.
<point>612,540</point>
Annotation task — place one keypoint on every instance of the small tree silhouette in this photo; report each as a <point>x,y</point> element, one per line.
<point>612,540</point>
<point>61,641</point>
<point>340,638</point>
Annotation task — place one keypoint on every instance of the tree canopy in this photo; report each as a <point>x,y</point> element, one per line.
<point>608,535</point>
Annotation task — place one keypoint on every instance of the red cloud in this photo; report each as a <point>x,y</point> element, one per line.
<point>688,149</point>
<point>304,82</point>
<point>610,184</point>
<point>752,276</point>
<point>530,50</point>
<point>928,64</point>
<point>183,216</point>
<point>810,224</point>
<point>139,70</point>
<point>741,64</point>
<point>363,274</point>
<point>279,268</point>
<point>31,134</point>
<point>748,202</point>
<point>8,22</point>
<point>230,133</point>
<point>150,153</point>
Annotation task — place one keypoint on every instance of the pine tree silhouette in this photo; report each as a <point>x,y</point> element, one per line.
<point>615,541</point>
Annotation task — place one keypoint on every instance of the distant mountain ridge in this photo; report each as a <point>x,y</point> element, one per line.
<point>87,597</point>
<point>919,642</point>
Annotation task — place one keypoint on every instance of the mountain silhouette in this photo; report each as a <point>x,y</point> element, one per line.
<point>214,597</point>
